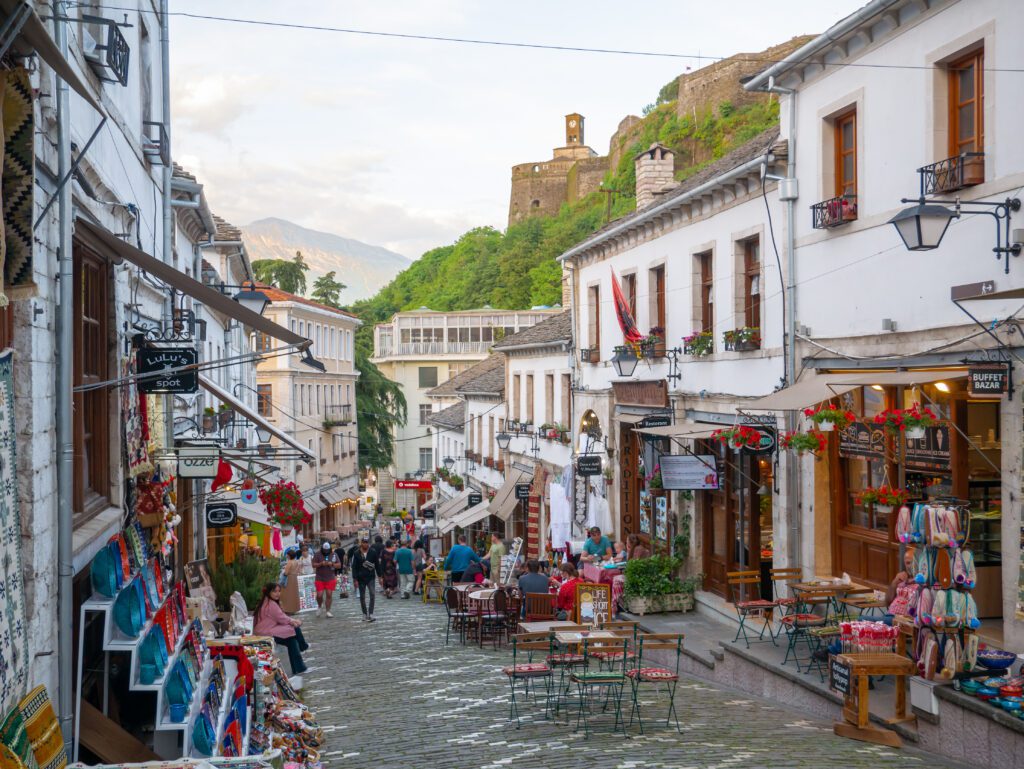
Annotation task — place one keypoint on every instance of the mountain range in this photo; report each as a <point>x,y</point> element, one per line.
<point>363,268</point>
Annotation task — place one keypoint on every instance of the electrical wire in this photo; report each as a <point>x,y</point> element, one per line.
<point>511,43</point>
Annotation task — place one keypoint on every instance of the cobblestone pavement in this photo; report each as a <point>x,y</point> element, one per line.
<point>392,694</point>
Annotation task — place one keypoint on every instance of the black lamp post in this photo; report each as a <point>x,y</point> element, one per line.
<point>625,361</point>
<point>448,462</point>
<point>251,299</point>
<point>503,439</point>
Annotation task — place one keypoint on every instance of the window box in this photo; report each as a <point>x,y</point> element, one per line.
<point>699,343</point>
<point>834,212</point>
<point>224,417</point>
<point>744,339</point>
<point>964,170</point>
<point>500,465</point>
<point>489,462</point>
<point>590,355</point>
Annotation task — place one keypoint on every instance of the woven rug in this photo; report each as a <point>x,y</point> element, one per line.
<point>14,658</point>
<point>17,183</point>
<point>131,416</point>
<point>43,730</point>
<point>15,738</point>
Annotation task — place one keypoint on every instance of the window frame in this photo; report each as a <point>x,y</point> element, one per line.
<point>629,291</point>
<point>425,410</point>
<point>976,59</point>
<point>752,272</point>
<point>594,316</point>
<point>706,276</point>
<point>265,400</point>
<point>420,378</point>
<point>844,186</point>
<point>656,287</point>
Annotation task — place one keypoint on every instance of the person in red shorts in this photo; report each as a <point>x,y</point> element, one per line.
<point>325,579</point>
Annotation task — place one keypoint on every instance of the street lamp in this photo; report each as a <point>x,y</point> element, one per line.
<point>503,439</point>
<point>448,462</point>
<point>251,299</point>
<point>263,435</point>
<point>922,226</point>
<point>625,361</point>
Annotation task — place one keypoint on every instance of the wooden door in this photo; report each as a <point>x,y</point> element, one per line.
<point>717,524</point>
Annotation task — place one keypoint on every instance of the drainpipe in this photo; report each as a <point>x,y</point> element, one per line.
<point>168,211</point>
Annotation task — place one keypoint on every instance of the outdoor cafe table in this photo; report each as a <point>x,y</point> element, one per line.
<point>544,626</point>
<point>567,637</point>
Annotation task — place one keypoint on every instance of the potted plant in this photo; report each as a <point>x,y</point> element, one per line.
<point>590,355</point>
<point>813,441</point>
<point>225,415</point>
<point>285,508</point>
<point>742,339</point>
<point>654,482</point>
<point>883,498</point>
<point>973,164</point>
<point>738,437</point>
<point>656,339</point>
<point>500,465</point>
<point>913,420</point>
<point>608,473</point>
<point>826,418</point>
<point>209,416</point>
<point>651,586</point>
<point>699,343</point>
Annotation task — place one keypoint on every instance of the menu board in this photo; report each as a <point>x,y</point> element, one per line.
<point>593,603</point>
<point>931,451</point>
<point>862,439</point>
<point>307,592</point>
<point>645,512</point>
<point>687,472</point>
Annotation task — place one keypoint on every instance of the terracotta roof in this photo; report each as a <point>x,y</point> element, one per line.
<point>451,418</point>
<point>181,173</point>
<point>557,328</point>
<point>490,382</point>
<point>226,230</point>
<point>450,388</point>
<point>277,295</point>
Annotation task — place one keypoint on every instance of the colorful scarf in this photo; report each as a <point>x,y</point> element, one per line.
<point>16,186</point>
<point>131,419</point>
<point>15,739</point>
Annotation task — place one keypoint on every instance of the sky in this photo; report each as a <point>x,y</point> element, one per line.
<point>408,143</point>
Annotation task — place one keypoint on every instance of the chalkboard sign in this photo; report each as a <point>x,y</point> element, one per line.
<point>307,592</point>
<point>153,360</point>
<point>221,515</point>
<point>838,675</point>
<point>588,464</point>
<point>523,492</point>
<point>475,498</point>
<point>593,603</point>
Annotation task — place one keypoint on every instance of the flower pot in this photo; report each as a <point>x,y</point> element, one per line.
<point>914,433</point>
<point>826,426</point>
<point>208,420</point>
<point>974,170</point>
<point>746,346</point>
<point>659,349</point>
<point>883,508</point>
<point>224,418</point>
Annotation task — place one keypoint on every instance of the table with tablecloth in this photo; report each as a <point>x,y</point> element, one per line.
<point>614,577</point>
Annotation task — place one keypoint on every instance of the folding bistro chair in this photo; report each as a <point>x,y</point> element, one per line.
<point>457,616</point>
<point>627,629</point>
<point>540,607</point>
<point>528,643</point>
<point>611,681</point>
<point>799,624</point>
<point>756,608</point>
<point>657,675</point>
<point>433,586</point>
<point>492,618</point>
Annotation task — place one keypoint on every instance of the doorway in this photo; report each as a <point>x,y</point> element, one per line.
<point>731,519</point>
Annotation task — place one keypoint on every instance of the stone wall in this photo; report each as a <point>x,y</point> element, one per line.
<point>538,189</point>
<point>586,177</point>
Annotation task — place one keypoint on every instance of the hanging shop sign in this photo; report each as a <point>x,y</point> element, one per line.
<point>154,360</point>
<point>649,393</point>
<point>988,381</point>
<point>523,492</point>
<point>689,472</point>
<point>198,461</point>
<point>221,515</point>
<point>475,498</point>
<point>766,444</point>
<point>862,440</point>
<point>588,464</point>
<point>931,451</point>
<point>417,485</point>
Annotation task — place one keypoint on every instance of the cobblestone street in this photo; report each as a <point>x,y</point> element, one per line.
<point>391,693</point>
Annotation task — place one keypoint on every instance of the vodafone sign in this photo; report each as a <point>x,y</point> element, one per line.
<point>418,485</point>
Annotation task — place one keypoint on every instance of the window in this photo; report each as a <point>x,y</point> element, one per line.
<point>319,401</point>
<point>425,410</point>
<point>263,342</point>
<point>967,104</point>
<point>517,399</point>
<point>91,408</point>
<point>264,400</point>
<point>566,399</point>
<point>549,398</point>
<point>752,283</point>
<point>529,398</point>
<point>302,400</point>
<point>336,446</point>
<point>593,317</point>
<point>629,291</point>
<point>320,449</point>
<point>428,376</point>
<point>426,459</point>
<point>707,297</point>
<point>656,290</point>
<point>846,153</point>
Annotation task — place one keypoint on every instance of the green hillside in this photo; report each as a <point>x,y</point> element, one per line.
<point>517,269</point>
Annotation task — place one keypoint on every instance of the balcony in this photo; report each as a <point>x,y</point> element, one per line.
<point>338,415</point>
<point>834,212</point>
<point>953,173</point>
<point>423,349</point>
<point>590,355</point>
<point>155,145</point>
<point>105,49</point>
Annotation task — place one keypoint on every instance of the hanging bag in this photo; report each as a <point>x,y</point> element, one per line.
<point>917,522</point>
<point>904,528</point>
<point>965,575</point>
<point>922,610</point>
<point>944,559</point>
<point>952,652</point>
<point>970,654</point>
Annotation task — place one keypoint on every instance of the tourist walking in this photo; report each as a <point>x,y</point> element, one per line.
<point>269,619</point>
<point>305,560</point>
<point>290,586</point>
<point>459,557</point>
<point>364,572</point>
<point>389,570</point>
<point>406,575</point>
<point>326,579</point>
<point>495,554</point>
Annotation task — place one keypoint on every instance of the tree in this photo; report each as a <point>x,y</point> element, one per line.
<point>327,290</point>
<point>287,275</point>
<point>381,407</point>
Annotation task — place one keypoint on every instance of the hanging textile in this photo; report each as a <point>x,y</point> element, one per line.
<point>43,729</point>
<point>132,422</point>
<point>156,429</point>
<point>16,185</point>
<point>630,332</point>
<point>560,514</point>
<point>13,636</point>
<point>15,738</point>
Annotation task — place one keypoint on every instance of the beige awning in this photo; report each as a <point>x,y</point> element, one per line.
<point>107,243</point>
<point>332,496</point>
<point>815,388</point>
<point>465,518</point>
<point>689,430</point>
<point>504,502</point>
<point>451,508</point>
<point>34,33</point>
<point>225,397</point>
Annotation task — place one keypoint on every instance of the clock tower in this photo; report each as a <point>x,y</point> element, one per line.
<point>574,130</point>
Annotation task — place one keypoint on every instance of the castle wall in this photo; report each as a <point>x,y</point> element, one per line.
<point>538,189</point>
<point>585,177</point>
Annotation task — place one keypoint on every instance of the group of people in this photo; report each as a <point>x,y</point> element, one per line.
<point>397,567</point>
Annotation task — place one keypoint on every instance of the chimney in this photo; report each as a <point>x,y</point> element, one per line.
<point>655,170</point>
<point>566,289</point>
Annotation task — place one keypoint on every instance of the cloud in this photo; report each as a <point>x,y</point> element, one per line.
<point>210,103</point>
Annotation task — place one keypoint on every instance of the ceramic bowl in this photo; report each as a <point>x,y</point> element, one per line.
<point>995,659</point>
<point>987,693</point>
<point>1010,690</point>
<point>1008,703</point>
<point>995,683</point>
<point>970,686</point>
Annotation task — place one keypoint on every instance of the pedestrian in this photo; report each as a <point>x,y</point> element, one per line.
<point>305,559</point>
<point>406,575</point>
<point>364,572</point>
<point>325,580</point>
<point>290,589</point>
<point>419,556</point>
<point>565,602</point>
<point>495,554</point>
<point>459,557</point>
<point>389,570</point>
<point>269,619</point>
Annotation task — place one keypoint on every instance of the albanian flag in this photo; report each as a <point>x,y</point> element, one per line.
<point>630,332</point>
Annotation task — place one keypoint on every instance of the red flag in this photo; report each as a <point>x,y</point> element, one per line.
<point>630,332</point>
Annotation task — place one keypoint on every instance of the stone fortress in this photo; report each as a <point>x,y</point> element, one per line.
<point>540,188</point>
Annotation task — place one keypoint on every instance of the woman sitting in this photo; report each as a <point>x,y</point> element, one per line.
<point>269,619</point>
<point>475,573</point>
<point>902,591</point>
<point>565,601</point>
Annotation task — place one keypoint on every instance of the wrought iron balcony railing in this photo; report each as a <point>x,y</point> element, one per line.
<point>834,212</point>
<point>106,49</point>
<point>951,174</point>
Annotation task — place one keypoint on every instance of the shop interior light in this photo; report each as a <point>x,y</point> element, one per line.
<point>942,387</point>
<point>878,387</point>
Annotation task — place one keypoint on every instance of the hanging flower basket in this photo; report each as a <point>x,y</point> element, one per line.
<point>654,482</point>
<point>285,508</point>
<point>883,498</point>
<point>813,441</point>
<point>739,437</point>
<point>895,421</point>
<point>826,418</point>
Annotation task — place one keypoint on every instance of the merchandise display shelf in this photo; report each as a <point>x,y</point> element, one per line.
<point>163,711</point>
<point>159,682</point>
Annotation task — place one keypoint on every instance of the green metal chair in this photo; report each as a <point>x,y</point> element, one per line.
<point>657,675</point>
<point>526,644</point>
<point>611,681</point>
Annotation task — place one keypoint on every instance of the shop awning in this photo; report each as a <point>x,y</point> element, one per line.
<point>332,496</point>
<point>107,243</point>
<point>689,430</point>
<point>815,388</point>
<point>452,506</point>
<point>465,518</point>
<point>33,32</point>
<point>504,502</point>
<point>225,397</point>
